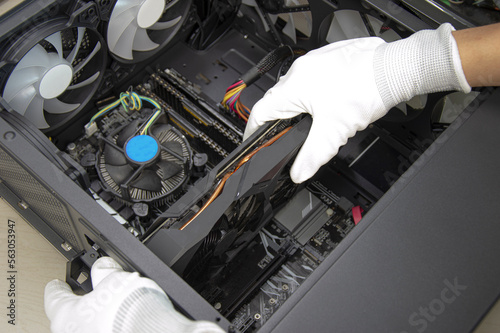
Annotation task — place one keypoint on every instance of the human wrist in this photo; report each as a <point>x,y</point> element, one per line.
<point>426,62</point>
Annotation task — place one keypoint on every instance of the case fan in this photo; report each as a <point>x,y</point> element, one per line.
<point>138,28</point>
<point>56,70</point>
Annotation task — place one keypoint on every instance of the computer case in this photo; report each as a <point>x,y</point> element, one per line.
<point>396,233</point>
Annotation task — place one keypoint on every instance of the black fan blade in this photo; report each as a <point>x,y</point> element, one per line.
<point>148,181</point>
<point>119,173</point>
<point>113,156</point>
<point>127,133</point>
<point>159,131</point>
<point>169,169</point>
<point>174,146</point>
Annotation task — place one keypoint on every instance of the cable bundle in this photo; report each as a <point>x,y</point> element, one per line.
<point>131,101</point>
<point>231,100</point>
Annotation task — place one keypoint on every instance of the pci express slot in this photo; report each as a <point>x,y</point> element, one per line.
<point>189,129</point>
<point>194,114</point>
<point>182,83</point>
<point>207,144</point>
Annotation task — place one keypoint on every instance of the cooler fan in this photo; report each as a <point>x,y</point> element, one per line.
<point>138,28</point>
<point>145,168</point>
<point>54,76</point>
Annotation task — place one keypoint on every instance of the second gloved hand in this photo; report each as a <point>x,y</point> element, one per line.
<point>347,85</point>
<point>120,302</point>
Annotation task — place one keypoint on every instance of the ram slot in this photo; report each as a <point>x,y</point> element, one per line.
<point>193,113</point>
<point>198,140</point>
<point>185,85</point>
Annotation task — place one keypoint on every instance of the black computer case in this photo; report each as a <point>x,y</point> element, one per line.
<point>228,236</point>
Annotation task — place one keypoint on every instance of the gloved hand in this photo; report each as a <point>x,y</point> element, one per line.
<point>347,85</point>
<point>120,302</point>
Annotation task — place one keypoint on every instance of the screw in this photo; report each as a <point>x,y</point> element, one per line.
<point>23,205</point>
<point>9,136</point>
<point>133,231</point>
<point>66,246</point>
<point>71,146</point>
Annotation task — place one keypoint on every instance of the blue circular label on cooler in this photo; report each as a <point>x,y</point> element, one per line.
<point>141,148</point>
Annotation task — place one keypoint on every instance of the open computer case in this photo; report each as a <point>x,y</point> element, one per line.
<point>116,139</point>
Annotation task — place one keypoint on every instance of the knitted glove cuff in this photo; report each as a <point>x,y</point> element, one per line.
<point>426,62</point>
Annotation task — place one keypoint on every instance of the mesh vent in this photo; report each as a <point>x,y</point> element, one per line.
<point>40,200</point>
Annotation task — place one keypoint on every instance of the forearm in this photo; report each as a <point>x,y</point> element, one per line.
<point>480,54</point>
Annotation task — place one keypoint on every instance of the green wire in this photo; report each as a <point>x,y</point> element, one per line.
<point>130,101</point>
<point>446,2</point>
<point>150,122</point>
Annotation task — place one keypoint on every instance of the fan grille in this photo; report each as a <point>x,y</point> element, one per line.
<point>40,198</point>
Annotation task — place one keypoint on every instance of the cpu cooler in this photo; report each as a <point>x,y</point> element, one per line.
<point>52,70</point>
<point>137,29</point>
<point>144,168</point>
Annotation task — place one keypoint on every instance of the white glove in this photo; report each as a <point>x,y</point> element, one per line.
<point>347,85</point>
<point>120,302</point>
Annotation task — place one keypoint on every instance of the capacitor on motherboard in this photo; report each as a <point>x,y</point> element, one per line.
<point>71,149</point>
